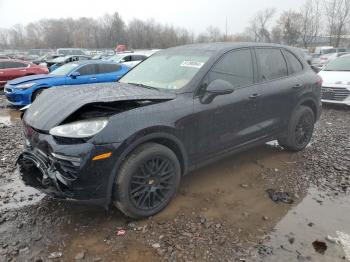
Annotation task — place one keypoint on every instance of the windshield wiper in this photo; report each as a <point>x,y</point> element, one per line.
<point>144,86</point>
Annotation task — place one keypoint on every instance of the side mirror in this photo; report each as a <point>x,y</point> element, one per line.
<point>216,88</point>
<point>75,74</point>
<point>316,69</point>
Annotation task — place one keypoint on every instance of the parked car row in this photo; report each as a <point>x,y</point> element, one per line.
<point>23,91</point>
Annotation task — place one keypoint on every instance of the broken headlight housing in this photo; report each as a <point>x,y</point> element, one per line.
<point>80,129</point>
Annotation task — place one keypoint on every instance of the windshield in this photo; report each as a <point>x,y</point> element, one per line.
<point>328,51</point>
<point>64,70</point>
<point>168,69</point>
<point>340,64</point>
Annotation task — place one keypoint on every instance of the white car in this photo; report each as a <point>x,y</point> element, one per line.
<point>131,59</point>
<point>325,59</point>
<point>336,81</point>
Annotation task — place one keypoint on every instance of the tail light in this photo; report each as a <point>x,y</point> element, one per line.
<point>319,81</point>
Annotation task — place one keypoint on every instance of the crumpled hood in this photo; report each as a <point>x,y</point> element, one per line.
<point>24,79</point>
<point>54,105</point>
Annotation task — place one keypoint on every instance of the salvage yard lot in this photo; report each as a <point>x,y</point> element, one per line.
<point>222,212</point>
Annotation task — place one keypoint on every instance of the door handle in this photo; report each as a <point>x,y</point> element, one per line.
<point>254,96</point>
<point>297,86</point>
<point>23,70</point>
<point>93,78</point>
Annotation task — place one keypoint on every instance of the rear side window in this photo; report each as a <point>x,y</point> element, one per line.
<point>271,64</point>
<point>294,64</point>
<point>126,59</point>
<point>11,64</point>
<point>88,70</point>
<point>235,67</point>
<point>2,65</point>
<point>83,58</point>
<point>138,57</point>
<point>107,68</point>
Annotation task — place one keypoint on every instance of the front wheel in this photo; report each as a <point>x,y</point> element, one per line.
<point>300,129</point>
<point>147,181</point>
<point>36,94</point>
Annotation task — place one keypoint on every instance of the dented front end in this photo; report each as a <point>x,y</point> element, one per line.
<point>65,170</point>
<point>76,167</point>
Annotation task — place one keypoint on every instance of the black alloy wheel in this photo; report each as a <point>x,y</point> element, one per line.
<point>152,184</point>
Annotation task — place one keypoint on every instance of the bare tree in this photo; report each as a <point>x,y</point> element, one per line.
<point>290,24</point>
<point>259,24</point>
<point>338,15</point>
<point>17,36</point>
<point>311,22</point>
<point>4,38</point>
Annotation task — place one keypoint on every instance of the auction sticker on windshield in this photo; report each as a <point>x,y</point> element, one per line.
<point>194,64</point>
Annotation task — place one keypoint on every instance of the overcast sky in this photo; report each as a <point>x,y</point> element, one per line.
<point>194,15</point>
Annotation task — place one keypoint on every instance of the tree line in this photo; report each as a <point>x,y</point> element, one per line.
<point>302,27</point>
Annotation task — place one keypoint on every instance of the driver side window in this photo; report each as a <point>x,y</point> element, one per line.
<point>236,67</point>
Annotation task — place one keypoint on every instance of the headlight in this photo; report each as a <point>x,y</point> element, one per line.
<point>80,129</point>
<point>25,86</point>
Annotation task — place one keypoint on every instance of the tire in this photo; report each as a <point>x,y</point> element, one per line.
<point>300,129</point>
<point>139,189</point>
<point>37,93</point>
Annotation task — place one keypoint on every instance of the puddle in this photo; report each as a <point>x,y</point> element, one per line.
<point>230,191</point>
<point>9,116</point>
<point>15,194</point>
<point>319,227</point>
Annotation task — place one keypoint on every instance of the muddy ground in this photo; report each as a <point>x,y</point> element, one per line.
<point>221,213</point>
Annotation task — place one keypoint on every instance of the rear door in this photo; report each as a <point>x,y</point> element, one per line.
<point>229,120</point>
<point>277,89</point>
<point>88,74</point>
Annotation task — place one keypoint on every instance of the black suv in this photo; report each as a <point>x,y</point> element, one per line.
<point>129,143</point>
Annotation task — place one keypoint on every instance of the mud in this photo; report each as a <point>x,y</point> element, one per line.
<point>221,213</point>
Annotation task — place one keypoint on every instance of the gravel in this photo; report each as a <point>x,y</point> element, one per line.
<point>32,231</point>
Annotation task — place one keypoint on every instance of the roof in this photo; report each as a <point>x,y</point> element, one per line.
<point>92,61</point>
<point>222,46</point>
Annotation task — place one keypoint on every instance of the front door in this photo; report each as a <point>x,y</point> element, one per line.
<point>227,121</point>
<point>88,74</point>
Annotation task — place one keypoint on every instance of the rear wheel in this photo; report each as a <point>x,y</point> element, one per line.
<point>300,129</point>
<point>147,181</point>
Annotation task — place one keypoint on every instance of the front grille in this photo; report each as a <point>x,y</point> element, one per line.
<point>335,93</point>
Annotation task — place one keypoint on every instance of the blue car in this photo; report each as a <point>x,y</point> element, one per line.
<point>23,91</point>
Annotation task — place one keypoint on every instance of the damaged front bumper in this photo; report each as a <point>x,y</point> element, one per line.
<point>42,174</point>
<point>66,171</point>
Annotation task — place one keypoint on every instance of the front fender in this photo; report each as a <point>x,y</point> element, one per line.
<point>132,143</point>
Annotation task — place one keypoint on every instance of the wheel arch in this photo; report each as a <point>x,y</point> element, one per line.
<point>311,103</point>
<point>166,139</point>
<point>37,89</point>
